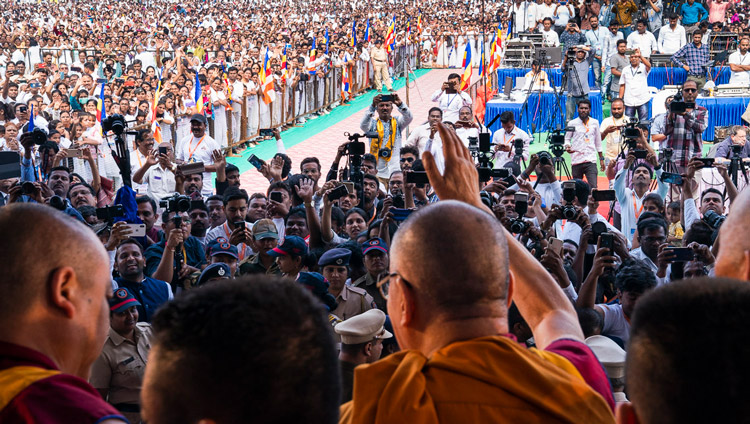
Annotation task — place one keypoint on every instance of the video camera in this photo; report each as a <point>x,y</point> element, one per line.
<point>110,213</point>
<point>355,147</point>
<point>545,158</point>
<point>569,211</point>
<point>176,203</point>
<point>713,219</point>
<point>557,142</point>
<point>480,148</point>
<point>678,105</point>
<point>114,123</point>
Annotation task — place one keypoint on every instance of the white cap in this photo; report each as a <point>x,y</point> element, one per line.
<point>363,328</point>
<point>609,353</point>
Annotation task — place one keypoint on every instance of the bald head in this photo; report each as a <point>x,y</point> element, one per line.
<point>37,240</point>
<point>457,257</point>
<point>734,248</point>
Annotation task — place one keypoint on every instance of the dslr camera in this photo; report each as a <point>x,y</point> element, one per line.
<point>114,123</point>
<point>518,225</point>
<point>176,203</point>
<point>569,211</point>
<point>679,105</point>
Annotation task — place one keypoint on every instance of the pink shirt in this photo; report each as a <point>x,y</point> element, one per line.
<point>717,11</point>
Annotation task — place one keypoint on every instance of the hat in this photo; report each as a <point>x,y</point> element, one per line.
<point>318,286</point>
<point>363,328</point>
<point>213,272</point>
<point>265,228</point>
<point>221,246</point>
<point>122,300</point>
<point>292,246</point>
<point>609,353</point>
<point>199,117</point>
<point>338,257</point>
<point>374,243</point>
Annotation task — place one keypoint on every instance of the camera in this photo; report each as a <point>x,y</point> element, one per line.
<point>304,77</point>
<point>518,146</point>
<point>110,213</point>
<point>384,153</point>
<point>176,203</point>
<point>544,158</point>
<point>57,202</point>
<point>569,211</point>
<point>28,188</point>
<point>666,154</point>
<point>487,198</point>
<point>114,123</point>
<point>737,149</point>
<point>713,219</point>
<point>38,136</point>
<point>557,143</point>
<point>398,201</point>
<point>518,225</point>
<point>678,105</point>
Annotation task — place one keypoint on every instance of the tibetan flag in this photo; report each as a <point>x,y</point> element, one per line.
<point>198,95</point>
<point>466,77</point>
<point>367,31</point>
<point>346,90</point>
<point>101,113</point>
<point>328,41</point>
<point>354,34</point>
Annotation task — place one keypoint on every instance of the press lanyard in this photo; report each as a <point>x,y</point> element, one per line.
<point>636,211</point>
<point>505,141</point>
<point>241,246</point>
<point>192,152</point>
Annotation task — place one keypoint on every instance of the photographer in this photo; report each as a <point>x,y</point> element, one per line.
<point>235,229</point>
<point>450,99</point>
<point>684,129</point>
<point>177,248</point>
<point>159,180</point>
<point>421,135</point>
<point>634,86</point>
<point>577,73</point>
<point>505,140</point>
<point>737,140</point>
<point>465,126</point>
<point>378,120</point>
<point>572,37</point>
<point>711,199</point>
<point>584,143</point>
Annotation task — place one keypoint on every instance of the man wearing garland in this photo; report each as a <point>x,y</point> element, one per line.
<point>385,132</point>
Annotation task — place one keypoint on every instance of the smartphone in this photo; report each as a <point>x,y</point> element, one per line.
<point>101,80</point>
<point>119,80</point>
<point>74,153</point>
<point>75,69</point>
<point>629,52</point>
<point>163,150</point>
<point>417,177</point>
<point>603,195</point>
<point>265,132</point>
<point>338,193</point>
<point>707,162</point>
<point>671,178</point>
<point>640,153</point>
<point>256,162</point>
<point>239,224</point>
<point>349,186</point>
<point>35,85</point>
<point>682,254</point>
<point>386,97</point>
<point>607,241</point>
<point>137,230</point>
<point>556,245</point>
<point>129,84</point>
<point>500,173</point>
<point>276,196</point>
<point>400,215</point>
<point>192,168</point>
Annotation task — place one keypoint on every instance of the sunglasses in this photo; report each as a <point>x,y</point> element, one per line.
<point>410,160</point>
<point>690,90</point>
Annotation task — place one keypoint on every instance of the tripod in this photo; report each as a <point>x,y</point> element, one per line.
<point>736,165</point>
<point>667,165</point>
<point>561,168</point>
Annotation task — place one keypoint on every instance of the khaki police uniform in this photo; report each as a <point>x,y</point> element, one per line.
<point>353,301</point>
<point>380,66</point>
<point>370,285</point>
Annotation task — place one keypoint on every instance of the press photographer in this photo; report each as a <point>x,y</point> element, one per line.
<point>378,120</point>
<point>577,75</point>
<point>450,99</point>
<point>584,142</point>
<point>685,124</point>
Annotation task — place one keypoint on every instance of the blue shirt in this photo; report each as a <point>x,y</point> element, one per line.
<point>150,292</point>
<point>195,255</point>
<point>692,14</point>
<point>595,39</point>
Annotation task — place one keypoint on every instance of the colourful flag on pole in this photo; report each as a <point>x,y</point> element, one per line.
<point>155,127</point>
<point>269,94</point>
<point>284,65</point>
<point>328,41</point>
<point>354,34</point>
<point>102,114</point>
<point>419,24</point>
<point>198,95</point>
<point>390,37</point>
<point>367,31</point>
<point>482,64</point>
<point>408,29</point>
<point>313,56</point>
<point>466,77</point>
<point>346,91</point>
<point>30,127</point>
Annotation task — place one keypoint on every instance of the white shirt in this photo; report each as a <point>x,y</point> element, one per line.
<point>223,230</point>
<point>501,137</point>
<point>615,323</point>
<point>550,38</point>
<point>631,206</point>
<point>419,137</point>
<point>742,77</point>
<point>450,104</point>
<point>137,160</point>
<point>545,11</point>
<point>645,42</point>
<point>671,40</point>
<point>238,90</point>
<point>613,139</point>
<point>586,141</point>
<point>465,133</point>
<point>160,182</point>
<point>191,149</point>
<point>635,81</point>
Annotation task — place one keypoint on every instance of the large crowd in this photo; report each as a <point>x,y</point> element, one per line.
<point>433,272</point>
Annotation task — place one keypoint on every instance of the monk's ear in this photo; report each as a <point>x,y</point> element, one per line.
<point>510,288</point>
<point>407,304</point>
<point>625,414</point>
<point>64,290</point>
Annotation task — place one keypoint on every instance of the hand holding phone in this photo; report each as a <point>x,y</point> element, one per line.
<point>256,162</point>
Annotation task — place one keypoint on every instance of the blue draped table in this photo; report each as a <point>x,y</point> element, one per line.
<point>658,77</point>
<point>538,111</point>
<point>722,111</point>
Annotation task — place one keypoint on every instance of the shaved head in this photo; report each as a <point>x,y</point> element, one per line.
<point>457,257</point>
<point>54,285</point>
<point>733,259</point>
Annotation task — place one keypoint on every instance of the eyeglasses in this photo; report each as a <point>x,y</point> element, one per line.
<point>690,90</point>
<point>410,160</point>
<point>384,284</point>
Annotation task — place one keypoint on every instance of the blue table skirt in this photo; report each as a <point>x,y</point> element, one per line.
<point>658,77</point>
<point>722,111</point>
<point>539,112</point>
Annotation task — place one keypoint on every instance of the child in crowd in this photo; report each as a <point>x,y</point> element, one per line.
<point>675,226</point>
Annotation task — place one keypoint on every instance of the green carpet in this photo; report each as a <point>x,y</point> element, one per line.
<point>293,136</point>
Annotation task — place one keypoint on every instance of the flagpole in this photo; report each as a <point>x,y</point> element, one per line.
<point>406,64</point>
<point>482,55</point>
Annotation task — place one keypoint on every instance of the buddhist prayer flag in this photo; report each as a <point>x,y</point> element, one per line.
<point>354,34</point>
<point>198,95</point>
<point>466,77</point>
<point>367,31</point>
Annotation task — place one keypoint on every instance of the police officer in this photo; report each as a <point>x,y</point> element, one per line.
<point>352,301</point>
<point>361,343</point>
<point>215,272</point>
<point>379,58</point>
<point>376,261</point>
